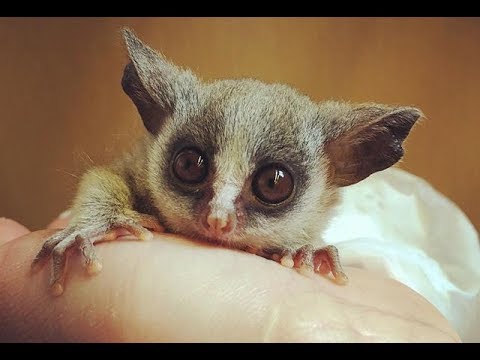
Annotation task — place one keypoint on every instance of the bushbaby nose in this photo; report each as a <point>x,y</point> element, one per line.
<point>220,224</point>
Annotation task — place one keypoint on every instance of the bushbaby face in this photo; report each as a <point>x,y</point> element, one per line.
<point>248,163</point>
<point>243,167</point>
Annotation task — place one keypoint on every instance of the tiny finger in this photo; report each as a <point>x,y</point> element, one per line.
<point>59,259</point>
<point>92,263</point>
<point>287,260</point>
<point>151,222</point>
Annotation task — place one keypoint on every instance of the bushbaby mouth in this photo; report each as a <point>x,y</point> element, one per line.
<point>226,240</point>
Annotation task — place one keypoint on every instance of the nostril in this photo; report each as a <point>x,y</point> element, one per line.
<point>220,225</point>
<point>212,222</point>
<point>228,224</point>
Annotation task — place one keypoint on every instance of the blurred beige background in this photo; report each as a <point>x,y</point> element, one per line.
<point>62,107</point>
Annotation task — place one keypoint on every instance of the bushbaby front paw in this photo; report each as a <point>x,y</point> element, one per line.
<point>322,261</point>
<point>82,237</point>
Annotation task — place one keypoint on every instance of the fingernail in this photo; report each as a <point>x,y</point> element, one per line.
<point>94,267</point>
<point>56,289</point>
<point>147,236</point>
<point>287,261</point>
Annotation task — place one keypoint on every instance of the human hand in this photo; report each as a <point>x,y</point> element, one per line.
<point>172,289</point>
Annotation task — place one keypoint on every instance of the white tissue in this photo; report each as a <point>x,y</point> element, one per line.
<point>398,225</point>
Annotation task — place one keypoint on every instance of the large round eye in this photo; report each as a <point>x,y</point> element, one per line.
<point>272,184</point>
<point>190,166</point>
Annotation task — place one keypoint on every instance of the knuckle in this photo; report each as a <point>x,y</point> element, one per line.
<point>58,251</point>
<point>47,246</point>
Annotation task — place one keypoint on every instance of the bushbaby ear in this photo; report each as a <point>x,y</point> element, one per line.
<point>366,139</point>
<point>157,87</point>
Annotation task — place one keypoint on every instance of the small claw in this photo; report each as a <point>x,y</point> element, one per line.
<point>94,267</point>
<point>35,266</point>
<point>56,289</point>
<point>340,278</point>
<point>145,235</point>
<point>287,261</point>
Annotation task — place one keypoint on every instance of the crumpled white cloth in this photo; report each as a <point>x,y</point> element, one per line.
<point>397,224</point>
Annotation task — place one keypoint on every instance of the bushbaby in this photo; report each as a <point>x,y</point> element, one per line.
<point>241,163</point>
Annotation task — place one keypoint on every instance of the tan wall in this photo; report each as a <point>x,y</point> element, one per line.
<point>62,105</point>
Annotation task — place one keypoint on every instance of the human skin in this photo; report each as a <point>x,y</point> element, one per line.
<point>172,289</point>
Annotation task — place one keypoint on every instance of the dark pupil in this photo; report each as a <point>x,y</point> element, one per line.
<point>190,166</point>
<point>273,185</point>
<point>187,163</point>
